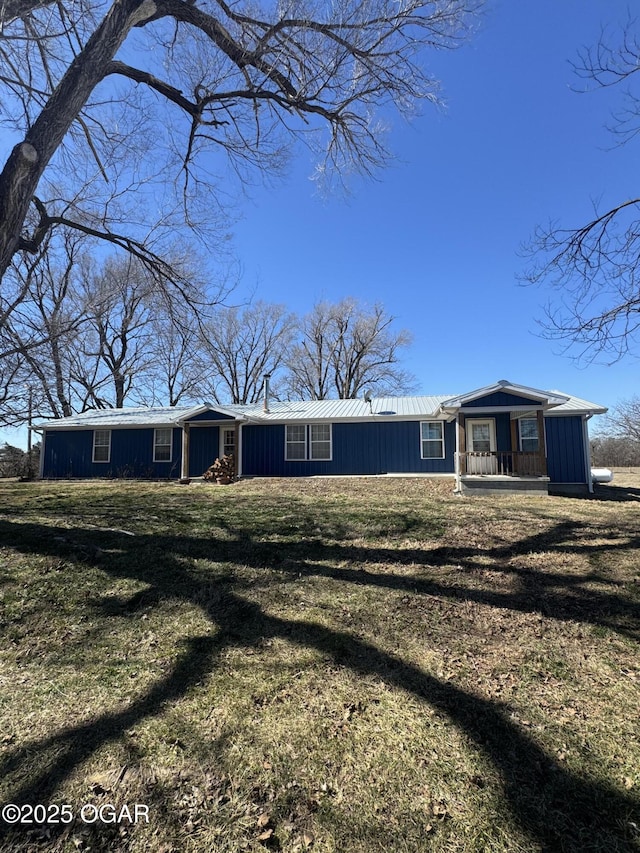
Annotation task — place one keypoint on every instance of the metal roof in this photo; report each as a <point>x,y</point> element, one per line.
<point>393,408</point>
<point>576,406</point>
<point>106,418</point>
<point>381,407</point>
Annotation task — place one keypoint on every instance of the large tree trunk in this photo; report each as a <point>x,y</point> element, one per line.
<point>28,160</point>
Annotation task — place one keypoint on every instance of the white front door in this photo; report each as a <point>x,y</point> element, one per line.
<point>481,438</point>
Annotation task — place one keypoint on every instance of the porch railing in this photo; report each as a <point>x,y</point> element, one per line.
<point>509,463</point>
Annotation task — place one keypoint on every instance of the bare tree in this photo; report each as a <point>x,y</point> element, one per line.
<point>82,83</point>
<point>37,336</point>
<point>595,267</point>
<point>623,421</point>
<point>177,368</point>
<point>346,348</point>
<point>244,344</point>
<point>88,336</point>
<point>615,452</point>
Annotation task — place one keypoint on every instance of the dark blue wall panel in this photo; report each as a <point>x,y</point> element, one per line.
<point>210,416</point>
<point>501,398</point>
<point>68,453</point>
<point>204,448</point>
<point>565,449</point>
<point>358,448</point>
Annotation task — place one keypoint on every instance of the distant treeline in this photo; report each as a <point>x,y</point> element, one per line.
<point>15,462</point>
<point>615,452</point>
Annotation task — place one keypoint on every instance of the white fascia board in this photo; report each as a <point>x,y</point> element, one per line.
<point>427,416</point>
<point>599,410</point>
<point>480,410</point>
<point>509,388</point>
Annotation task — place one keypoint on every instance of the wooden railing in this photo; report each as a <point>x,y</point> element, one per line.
<point>510,463</point>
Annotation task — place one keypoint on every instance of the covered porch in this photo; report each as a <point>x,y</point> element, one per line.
<point>501,452</point>
<point>500,442</point>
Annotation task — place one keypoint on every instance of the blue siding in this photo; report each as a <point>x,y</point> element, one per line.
<point>565,449</point>
<point>68,453</point>
<point>210,415</point>
<point>501,398</point>
<point>358,448</point>
<point>204,447</point>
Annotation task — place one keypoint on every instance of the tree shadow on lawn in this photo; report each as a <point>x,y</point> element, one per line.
<point>613,493</point>
<point>557,809</point>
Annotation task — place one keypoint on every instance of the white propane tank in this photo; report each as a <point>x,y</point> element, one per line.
<point>601,475</point>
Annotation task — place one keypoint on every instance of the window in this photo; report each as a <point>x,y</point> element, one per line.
<point>296,439</point>
<point>304,442</point>
<point>320,443</point>
<point>228,442</point>
<point>162,442</point>
<point>432,439</point>
<point>529,440</point>
<point>101,445</point>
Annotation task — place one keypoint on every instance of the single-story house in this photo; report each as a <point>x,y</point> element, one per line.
<point>504,436</point>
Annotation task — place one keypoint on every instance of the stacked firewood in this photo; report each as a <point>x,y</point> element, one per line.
<point>222,471</point>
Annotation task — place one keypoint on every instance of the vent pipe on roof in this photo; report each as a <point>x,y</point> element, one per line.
<point>265,405</point>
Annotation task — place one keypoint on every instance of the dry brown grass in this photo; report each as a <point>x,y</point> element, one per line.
<point>333,665</point>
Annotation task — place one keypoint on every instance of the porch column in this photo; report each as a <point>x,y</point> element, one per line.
<point>462,444</point>
<point>514,444</point>
<point>542,444</point>
<point>184,467</point>
<point>236,444</point>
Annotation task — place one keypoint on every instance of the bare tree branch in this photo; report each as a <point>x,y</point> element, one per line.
<point>595,268</point>
<point>248,80</point>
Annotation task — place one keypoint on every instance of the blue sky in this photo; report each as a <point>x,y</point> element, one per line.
<point>437,236</point>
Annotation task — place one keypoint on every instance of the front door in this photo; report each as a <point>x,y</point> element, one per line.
<point>481,439</point>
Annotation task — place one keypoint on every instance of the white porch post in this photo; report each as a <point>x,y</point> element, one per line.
<point>457,454</point>
<point>587,451</point>
<point>184,466</point>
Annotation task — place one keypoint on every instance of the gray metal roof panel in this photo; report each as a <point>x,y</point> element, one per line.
<point>576,405</point>
<point>106,418</point>
<point>427,406</point>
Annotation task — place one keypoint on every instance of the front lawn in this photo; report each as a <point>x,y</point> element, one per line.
<point>334,665</point>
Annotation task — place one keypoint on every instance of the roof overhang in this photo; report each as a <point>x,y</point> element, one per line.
<point>545,399</point>
<point>209,407</point>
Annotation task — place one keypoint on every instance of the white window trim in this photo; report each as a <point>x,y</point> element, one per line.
<point>442,439</point>
<point>310,444</point>
<point>156,445</point>
<point>493,444</point>
<point>223,443</point>
<point>108,446</point>
<point>308,448</point>
<point>287,443</point>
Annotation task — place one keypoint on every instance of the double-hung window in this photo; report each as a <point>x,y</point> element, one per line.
<point>101,445</point>
<point>529,438</point>
<point>228,442</point>
<point>432,440</point>
<point>162,442</point>
<point>320,441</point>
<point>304,442</point>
